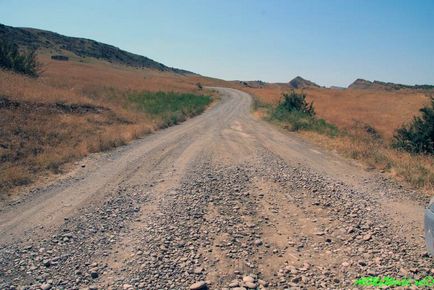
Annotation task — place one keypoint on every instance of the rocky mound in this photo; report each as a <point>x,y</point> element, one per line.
<point>300,83</point>
<point>361,84</point>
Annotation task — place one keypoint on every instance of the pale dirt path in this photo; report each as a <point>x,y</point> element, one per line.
<point>50,206</point>
<point>233,194</point>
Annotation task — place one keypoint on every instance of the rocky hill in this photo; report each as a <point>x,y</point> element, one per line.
<point>299,83</point>
<point>362,84</point>
<point>30,38</point>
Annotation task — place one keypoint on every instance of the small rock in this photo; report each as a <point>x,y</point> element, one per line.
<point>258,242</point>
<point>46,286</point>
<point>248,279</point>
<point>250,285</point>
<point>367,237</point>
<point>296,280</point>
<point>201,285</point>
<point>345,264</point>
<point>198,270</point>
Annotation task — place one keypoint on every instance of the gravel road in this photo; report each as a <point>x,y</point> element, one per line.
<point>222,201</point>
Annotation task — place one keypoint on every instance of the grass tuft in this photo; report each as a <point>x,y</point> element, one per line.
<point>170,108</point>
<point>296,121</point>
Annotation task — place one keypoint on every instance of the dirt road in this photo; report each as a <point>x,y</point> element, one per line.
<point>223,198</point>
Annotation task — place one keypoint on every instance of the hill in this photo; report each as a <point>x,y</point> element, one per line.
<point>36,39</point>
<point>361,84</point>
<point>300,83</point>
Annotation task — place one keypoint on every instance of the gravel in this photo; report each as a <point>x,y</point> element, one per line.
<point>178,245</point>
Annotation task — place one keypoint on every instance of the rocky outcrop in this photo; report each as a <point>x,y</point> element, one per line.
<point>300,83</point>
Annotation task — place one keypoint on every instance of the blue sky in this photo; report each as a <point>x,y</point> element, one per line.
<point>330,42</point>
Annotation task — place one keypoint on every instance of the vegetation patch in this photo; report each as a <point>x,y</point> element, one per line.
<point>170,108</point>
<point>295,114</point>
<point>38,138</point>
<point>20,62</point>
<point>45,124</point>
<point>412,162</point>
<point>418,136</point>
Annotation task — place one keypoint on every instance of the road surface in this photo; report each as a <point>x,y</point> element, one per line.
<point>223,200</point>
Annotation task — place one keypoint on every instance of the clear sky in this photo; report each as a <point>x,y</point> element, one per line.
<point>331,42</point>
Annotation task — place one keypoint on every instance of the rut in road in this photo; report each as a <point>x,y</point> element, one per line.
<point>222,198</point>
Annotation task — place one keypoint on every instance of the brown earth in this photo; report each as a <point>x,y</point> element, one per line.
<point>223,199</point>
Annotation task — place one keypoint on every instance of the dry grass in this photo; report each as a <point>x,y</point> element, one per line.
<point>383,110</point>
<point>37,138</point>
<point>417,170</point>
<point>353,111</point>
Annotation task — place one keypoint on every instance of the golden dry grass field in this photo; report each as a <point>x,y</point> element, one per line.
<point>74,108</point>
<point>383,110</point>
<point>353,111</point>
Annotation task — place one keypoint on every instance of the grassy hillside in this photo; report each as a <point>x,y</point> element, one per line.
<point>75,108</point>
<point>54,43</point>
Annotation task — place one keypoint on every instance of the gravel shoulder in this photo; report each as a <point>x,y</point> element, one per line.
<point>221,201</point>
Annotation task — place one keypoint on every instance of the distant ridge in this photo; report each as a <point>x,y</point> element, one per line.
<point>300,83</point>
<point>337,88</point>
<point>32,38</point>
<point>362,84</point>
<point>252,84</point>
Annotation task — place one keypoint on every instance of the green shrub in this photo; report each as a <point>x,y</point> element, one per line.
<point>418,136</point>
<point>296,114</point>
<point>296,102</point>
<point>12,59</point>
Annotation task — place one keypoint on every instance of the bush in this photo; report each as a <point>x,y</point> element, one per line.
<point>296,102</point>
<point>296,114</point>
<point>418,136</point>
<point>12,59</point>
